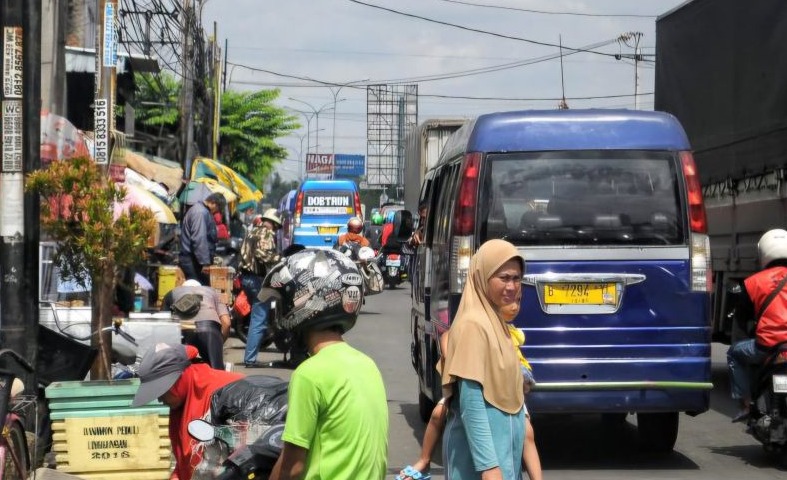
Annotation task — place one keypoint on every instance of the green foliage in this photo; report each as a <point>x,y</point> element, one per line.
<point>250,125</point>
<point>156,101</point>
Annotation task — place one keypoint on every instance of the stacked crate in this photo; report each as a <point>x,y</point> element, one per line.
<point>221,281</point>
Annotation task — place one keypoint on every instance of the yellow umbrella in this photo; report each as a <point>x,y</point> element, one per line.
<point>217,187</point>
<point>243,187</point>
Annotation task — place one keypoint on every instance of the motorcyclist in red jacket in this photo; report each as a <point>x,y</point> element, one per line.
<point>771,322</point>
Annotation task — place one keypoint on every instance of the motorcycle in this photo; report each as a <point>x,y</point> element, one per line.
<point>767,421</point>
<point>249,443</point>
<point>240,315</point>
<point>394,269</point>
<point>364,259</point>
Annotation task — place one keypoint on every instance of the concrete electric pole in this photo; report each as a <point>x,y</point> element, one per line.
<point>19,217</point>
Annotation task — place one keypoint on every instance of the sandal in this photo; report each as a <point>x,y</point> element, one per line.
<point>412,474</point>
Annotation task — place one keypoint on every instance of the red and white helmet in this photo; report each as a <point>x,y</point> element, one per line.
<point>355,225</point>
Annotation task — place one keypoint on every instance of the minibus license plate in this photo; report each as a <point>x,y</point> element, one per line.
<point>580,294</point>
<point>780,384</point>
<point>327,230</point>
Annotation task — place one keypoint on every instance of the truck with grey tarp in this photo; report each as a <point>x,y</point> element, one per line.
<point>424,144</point>
<point>721,69</point>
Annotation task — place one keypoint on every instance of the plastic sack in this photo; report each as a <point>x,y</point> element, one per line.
<point>257,399</point>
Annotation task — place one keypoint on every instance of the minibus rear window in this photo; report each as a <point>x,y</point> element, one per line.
<point>582,198</point>
<point>328,203</point>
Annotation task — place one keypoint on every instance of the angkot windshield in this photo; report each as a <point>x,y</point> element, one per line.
<point>581,198</point>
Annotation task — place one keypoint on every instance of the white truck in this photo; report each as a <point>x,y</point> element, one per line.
<point>424,145</point>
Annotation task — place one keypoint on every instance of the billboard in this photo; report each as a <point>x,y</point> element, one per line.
<point>346,165</point>
<point>319,165</point>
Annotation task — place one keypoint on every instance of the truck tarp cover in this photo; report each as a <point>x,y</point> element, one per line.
<point>721,69</point>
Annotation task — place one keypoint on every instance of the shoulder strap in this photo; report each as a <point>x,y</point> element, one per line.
<point>771,296</point>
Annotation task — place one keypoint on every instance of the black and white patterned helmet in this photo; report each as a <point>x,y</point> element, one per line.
<point>318,289</point>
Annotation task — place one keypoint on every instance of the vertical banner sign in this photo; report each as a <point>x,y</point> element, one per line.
<point>101,131</point>
<point>12,99</point>
<point>110,41</point>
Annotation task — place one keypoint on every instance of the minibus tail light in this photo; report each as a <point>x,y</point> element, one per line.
<point>464,209</point>
<point>701,274</point>
<point>298,209</point>
<point>464,222</point>
<point>697,219</point>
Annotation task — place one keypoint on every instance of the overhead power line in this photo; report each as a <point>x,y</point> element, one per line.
<point>441,76</point>
<point>544,12</point>
<point>466,97</point>
<point>477,30</point>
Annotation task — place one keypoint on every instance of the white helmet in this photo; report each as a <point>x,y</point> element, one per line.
<point>772,246</point>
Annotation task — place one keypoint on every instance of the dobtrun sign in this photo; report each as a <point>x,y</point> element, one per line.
<point>101,129</point>
<point>113,443</point>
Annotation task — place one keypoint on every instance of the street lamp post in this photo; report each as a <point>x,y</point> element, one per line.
<point>317,112</point>
<point>335,95</point>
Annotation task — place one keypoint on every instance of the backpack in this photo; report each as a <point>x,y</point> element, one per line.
<point>187,306</point>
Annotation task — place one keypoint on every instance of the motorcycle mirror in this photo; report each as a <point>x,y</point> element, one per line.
<point>201,430</point>
<point>365,253</point>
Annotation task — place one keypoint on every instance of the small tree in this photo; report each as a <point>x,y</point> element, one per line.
<point>78,212</point>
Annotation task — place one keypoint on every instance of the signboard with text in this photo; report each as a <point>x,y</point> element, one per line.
<point>347,166</point>
<point>101,131</point>
<point>319,163</point>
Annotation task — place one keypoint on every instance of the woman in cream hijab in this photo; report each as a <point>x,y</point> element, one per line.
<point>484,435</point>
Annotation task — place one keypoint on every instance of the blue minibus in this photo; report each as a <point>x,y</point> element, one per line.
<point>606,208</point>
<point>322,209</point>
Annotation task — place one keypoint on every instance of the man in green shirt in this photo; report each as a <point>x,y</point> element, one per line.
<point>337,422</point>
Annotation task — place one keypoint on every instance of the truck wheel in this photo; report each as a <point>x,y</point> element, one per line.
<point>425,407</point>
<point>657,432</point>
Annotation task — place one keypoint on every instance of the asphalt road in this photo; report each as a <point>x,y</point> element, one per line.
<point>575,447</point>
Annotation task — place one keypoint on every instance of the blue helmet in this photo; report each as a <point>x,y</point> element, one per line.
<point>389,216</point>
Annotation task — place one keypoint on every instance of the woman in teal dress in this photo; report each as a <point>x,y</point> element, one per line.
<point>484,434</point>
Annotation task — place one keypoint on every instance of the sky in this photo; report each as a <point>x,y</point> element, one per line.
<point>284,43</point>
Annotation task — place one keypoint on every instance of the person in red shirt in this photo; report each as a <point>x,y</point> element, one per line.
<point>222,232</point>
<point>388,230</point>
<point>770,317</point>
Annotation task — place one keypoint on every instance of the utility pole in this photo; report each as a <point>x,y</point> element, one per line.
<point>216,92</point>
<point>106,81</point>
<point>187,102</point>
<point>624,38</point>
<point>562,105</point>
<point>19,217</point>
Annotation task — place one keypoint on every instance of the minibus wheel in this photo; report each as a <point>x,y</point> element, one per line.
<point>657,432</point>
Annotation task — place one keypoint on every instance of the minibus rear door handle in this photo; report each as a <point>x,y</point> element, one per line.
<point>624,278</point>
